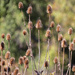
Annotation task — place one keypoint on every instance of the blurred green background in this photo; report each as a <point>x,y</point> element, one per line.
<point>11,21</point>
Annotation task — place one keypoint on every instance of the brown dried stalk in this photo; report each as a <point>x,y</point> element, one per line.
<point>55,69</point>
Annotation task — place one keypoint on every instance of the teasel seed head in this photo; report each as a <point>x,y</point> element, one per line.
<point>71,46</point>
<point>8,36</point>
<point>60,37</point>
<point>28,52</point>
<point>3,35</point>
<point>46,64</point>
<point>3,62</point>
<point>73,68</point>
<point>2,46</point>
<point>63,43</point>
<point>58,28</point>
<point>74,40</point>
<point>55,60</point>
<point>5,68</point>
<point>20,5</point>
<point>49,9</point>
<point>26,61</point>
<point>70,31</point>
<point>48,33</point>
<point>52,24</point>
<point>16,71</point>
<point>26,66</point>
<point>24,32</point>
<point>7,55</point>
<point>38,24</point>
<point>21,60</point>
<point>24,58</point>
<point>30,25</point>
<point>29,10</point>
<point>12,61</point>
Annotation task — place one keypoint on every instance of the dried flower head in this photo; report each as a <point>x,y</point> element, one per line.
<point>20,5</point>
<point>8,37</point>
<point>21,60</point>
<point>3,62</point>
<point>5,68</point>
<point>48,33</point>
<point>26,61</point>
<point>52,24</point>
<point>24,57</point>
<point>55,60</point>
<point>60,37</point>
<point>7,55</point>
<point>49,9</point>
<point>46,64</point>
<point>3,35</point>
<point>16,71</point>
<point>28,52</point>
<point>58,28</point>
<point>74,40</point>
<point>30,25</point>
<point>71,47</point>
<point>2,46</point>
<point>70,31</point>
<point>63,43</point>
<point>39,24</point>
<point>29,10</point>
<point>12,61</point>
<point>26,66</point>
<point>73,68</point>
<point>24,32</point>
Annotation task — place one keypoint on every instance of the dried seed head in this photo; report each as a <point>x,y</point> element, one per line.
<point>73,68</point>
<point>29,10</point>
<point>60,37</point>
<point>74,40</point>
<point>2,46</point>
<point>20,5</point>
<point>12,61</point>
<point>52,24</point>
<point>28,52</point>
<point>5,68</point>
<point>24,32</point>
<point>58,28</point>
<point>39,24</point>
<point>55,60</point>
<point>7,55</point>
<point>49,9</point>
<point>8,37</point>
<point>46,64</point>
<point>71,47</point>
<point>21,60</point>
<point>26,61</point>
<point>26,66</point>
<point>70,31</point>
<point>16,71</point>
<point>48,33</point>
<point>3,35</point>
<point>19,74</point>
<point>63,43</point>
<point>24,57</point>
<point>3,62</point>
<point>30,25</point>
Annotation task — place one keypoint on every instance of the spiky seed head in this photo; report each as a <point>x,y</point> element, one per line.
<point>38,24</point>
<point>70,30</point>
<point>49,9</point>
<point>24,32</point>
<point>7,55</point>
<point>46,64</point>
<point>8,36</point>
<point>48,33</point>
<point>21,60</point>
<point>2,46</point>
<point>29,10</point>
<point>16,71</point>
<point>20,5</point>
<point>28,52</point>
<point>26,66</point>
<point>5,68</point>
<point>24,57</point>
<point>3,62</point>
<point>30,25</point>
<point>3,35</point>
<point>63,43</point>
<point>55,60</point>
<point>73,68</point>
<point>52,24</point>
<point>74,40</point>
<point>58,28</point>
<point>60,37</point>
<point>12,61</point>
<point>71,46</point>
<point>26,61</point>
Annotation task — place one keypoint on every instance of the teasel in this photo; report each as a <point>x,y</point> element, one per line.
<point>28,52</point>
<point>20,5</point>
<point>16,71</point>
<point>3,36</point>
<point>21,60</point>
<point>24,58</point>
<point>63,45</point>
<point>30,25</point>
<point>70,31</point>
<point>52,24</point>
<point>3,62</point>
<point>58,28</point>
<point>73,69</point>
<point>1,48</point>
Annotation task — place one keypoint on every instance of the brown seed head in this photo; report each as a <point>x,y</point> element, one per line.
<point>48,33</point>
<point>21,60</point>
<point>60,37</point>
<point>70,31</point>
<point>71,47</point>
<point>2,46</point>
<point>24,57</point>
<point>12,61</point>
<point>26,61</point>
<point>39,24</point>
<point>49,9</point>
<point>8,37</point>
<point>52,24</point>
<point>28,52</point>
<point>7,55</point>
<point>46,64</point>
<point>63,43</point>
<point>24,32</point>
<point>3,35</point>
<point>20,5</point>
<point>58,28</point>
<point>3,62</point>
<point>16,71</point>
<point>26,66</point>
<point>29,10</point>
<point>73,68</point>
<point>74,40</point>
<point>5,68</point>
<point>30,25</point>
<point>55,60</point>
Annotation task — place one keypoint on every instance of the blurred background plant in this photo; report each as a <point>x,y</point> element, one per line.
<point>11,21</point>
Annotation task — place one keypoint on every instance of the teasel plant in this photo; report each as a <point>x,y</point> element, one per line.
<point>73,69</point>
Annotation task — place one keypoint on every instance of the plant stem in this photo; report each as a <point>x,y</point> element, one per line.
<point>7,65</point>
<point>55,69</point>
<point>25,71</point>
<point>1,61</point>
